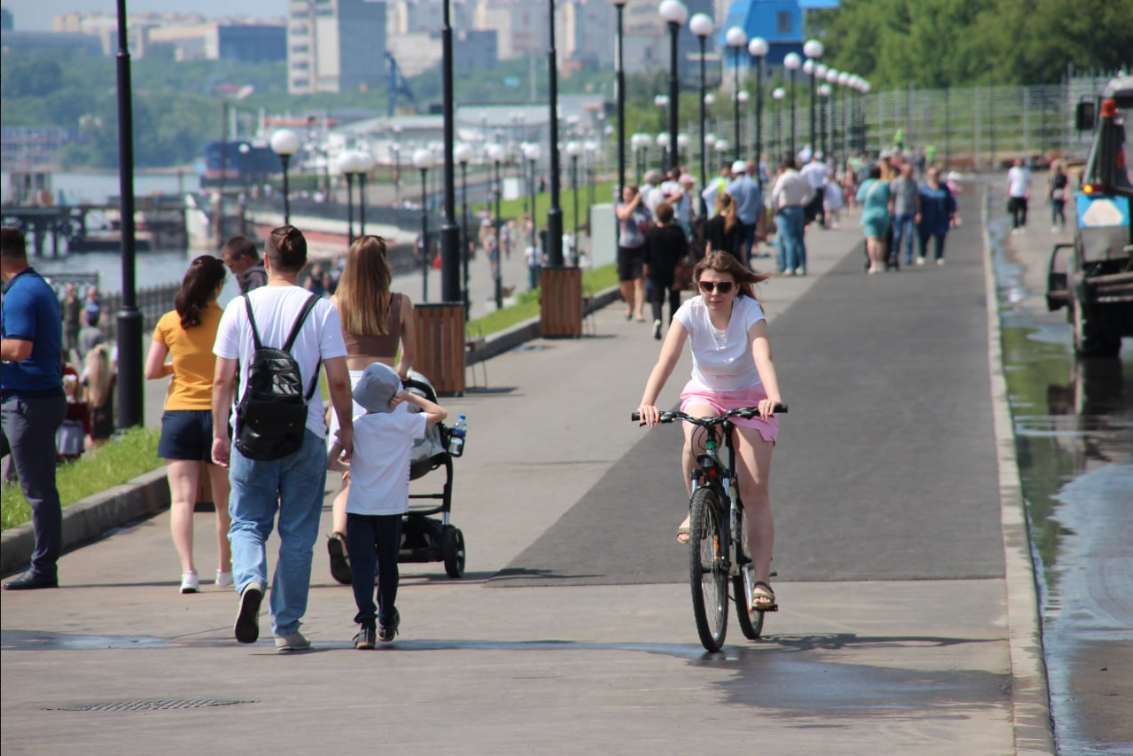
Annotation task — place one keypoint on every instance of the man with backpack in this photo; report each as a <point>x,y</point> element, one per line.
<point>277,336</point>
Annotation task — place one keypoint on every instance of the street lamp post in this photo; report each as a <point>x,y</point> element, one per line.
<point>450,232</point>
<point>702,26</point>
<point>129,319</point>
<point>792,62</point>
<point>532,152</point>
<point>736,38</point>
<point>844,83</point>
<point>758,48</point>
<point>620,86</point>
<point>463,153</point>
<point>640,143</point>
<point>364,164</point>
<point>778,94</point>
<point>813,51</point>
<point>554,212</point>
<point>573,150</point>
<point>663,142</point>
<point>824,93</point>
<point>423,160</point>
<point>832,81</point>
<point>675,14</point>
<point>346,168</point>
<point>496,153</point>
<point>661,102</point>
<point>285,143</point>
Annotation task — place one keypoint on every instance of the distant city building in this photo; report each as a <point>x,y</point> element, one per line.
<point>647,35</point>
<point>584,30</point>
<point>5,20</point>
<point>410,16</point>
<point>335,45</point>
<point>30,41</point>
<point>182,37</point>
<point>522,26</point>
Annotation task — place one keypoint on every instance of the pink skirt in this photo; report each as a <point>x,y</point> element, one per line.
<point>696,393</point>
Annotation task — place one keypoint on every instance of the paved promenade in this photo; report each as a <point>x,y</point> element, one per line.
<point>572,630</point>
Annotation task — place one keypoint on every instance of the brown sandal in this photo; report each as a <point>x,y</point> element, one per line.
<point>763,598</point>
<point>339,560</point>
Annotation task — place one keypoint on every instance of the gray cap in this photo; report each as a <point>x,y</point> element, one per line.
<point>377,386</point>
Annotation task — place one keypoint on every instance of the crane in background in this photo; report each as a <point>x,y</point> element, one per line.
<point>398,85</point>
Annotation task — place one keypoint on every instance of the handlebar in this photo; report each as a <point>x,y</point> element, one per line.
<point>745,412</point>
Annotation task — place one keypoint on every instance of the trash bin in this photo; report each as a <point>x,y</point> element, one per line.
<point>440,345</point>
<point>561,304</point>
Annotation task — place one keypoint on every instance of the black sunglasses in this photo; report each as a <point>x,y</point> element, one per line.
<point>710,286</point>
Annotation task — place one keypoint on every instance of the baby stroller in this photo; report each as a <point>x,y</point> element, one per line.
<point>424,537</point>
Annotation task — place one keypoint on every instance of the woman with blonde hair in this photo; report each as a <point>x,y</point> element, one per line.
<point>377,326</point>
<point>186,335</point>
<point>731,368</point>
<point>725,232</point>
<point>98,380</point>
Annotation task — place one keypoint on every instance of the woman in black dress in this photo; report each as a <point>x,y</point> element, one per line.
<point>725,232</point>
<point>665,246</point>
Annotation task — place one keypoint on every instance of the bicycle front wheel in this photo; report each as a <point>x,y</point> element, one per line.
<point>708,569</point>
<point>751,621</point>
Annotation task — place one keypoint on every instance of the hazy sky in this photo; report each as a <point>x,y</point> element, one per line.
<point>36,15</point>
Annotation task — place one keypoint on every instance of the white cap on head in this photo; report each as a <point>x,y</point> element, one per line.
<point>739,167</point>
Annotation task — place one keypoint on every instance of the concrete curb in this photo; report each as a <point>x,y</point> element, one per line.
<point>148,494</point>
<point>88,519</point>
<point>1030,695</point>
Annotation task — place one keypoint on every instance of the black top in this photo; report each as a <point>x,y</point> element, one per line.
<point>720,241</point>
<point>664,248</point>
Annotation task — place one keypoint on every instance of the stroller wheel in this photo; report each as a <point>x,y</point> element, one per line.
<point>453,546</point>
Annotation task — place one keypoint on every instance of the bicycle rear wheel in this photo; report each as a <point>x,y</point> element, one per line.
<point>751,621</point>
<point>708,571</point>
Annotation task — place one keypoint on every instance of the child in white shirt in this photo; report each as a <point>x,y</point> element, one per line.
<point>379,493</point>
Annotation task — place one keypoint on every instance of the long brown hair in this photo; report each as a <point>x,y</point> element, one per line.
<point>722,262</point>
<point>99,376</point>
<point>726,207</point>
<point>363,295</point>
<point>198,289</point>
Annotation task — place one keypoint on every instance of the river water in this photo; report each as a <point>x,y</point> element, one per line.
<point>1073,422</point>
<point>155,268</point>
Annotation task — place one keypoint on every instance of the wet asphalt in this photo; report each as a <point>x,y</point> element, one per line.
<point>1073,421</point>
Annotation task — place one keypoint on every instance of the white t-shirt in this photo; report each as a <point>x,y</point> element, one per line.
<point>1018,181</point>
<point>276,309</point>
<point>722,360</point>
<point>815,174</point>
<point>379,469</point>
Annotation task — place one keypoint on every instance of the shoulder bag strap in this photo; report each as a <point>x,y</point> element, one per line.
<point>310,304</point>
<point>252,321</point>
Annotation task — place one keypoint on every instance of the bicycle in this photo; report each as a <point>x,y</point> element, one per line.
<point>716,514</point>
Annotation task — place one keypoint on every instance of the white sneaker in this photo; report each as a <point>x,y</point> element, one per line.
<point>190,583</point>
<point>940,261</point>
<point>920,261</point>
<point>223,578</point>
<point>657,329</point>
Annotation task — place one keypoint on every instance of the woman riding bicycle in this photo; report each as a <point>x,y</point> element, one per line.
<point>731,368</point>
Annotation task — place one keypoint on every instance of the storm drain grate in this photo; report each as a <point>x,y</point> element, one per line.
<point>194,703</point>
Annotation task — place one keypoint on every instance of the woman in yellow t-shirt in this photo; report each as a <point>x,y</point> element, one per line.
<point>187,334</point>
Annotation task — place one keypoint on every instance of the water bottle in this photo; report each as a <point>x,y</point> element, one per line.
<point>456,437</point>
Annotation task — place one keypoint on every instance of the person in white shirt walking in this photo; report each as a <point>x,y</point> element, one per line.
<point>816,172</point>
<point>1018,192</point>
<point>789,198</point>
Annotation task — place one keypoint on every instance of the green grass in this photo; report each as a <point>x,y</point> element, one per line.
<point>119,461</point>
<point>514,208</point>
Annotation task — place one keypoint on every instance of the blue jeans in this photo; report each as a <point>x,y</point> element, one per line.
<point>904,230</point>
<point>792,247</point>
<point>293,487</point>
<point>374,542</point>
<point>29,425</point>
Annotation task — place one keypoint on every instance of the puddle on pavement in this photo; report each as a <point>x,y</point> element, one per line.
<point>1073,421</point>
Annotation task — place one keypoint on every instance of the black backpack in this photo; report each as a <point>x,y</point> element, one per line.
<point>271,417</point>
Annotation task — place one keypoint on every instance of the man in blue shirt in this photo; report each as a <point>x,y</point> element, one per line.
<point>33,403</point>
<point>749,204</point>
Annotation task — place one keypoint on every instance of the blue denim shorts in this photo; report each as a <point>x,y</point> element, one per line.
<point>186,435</point>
